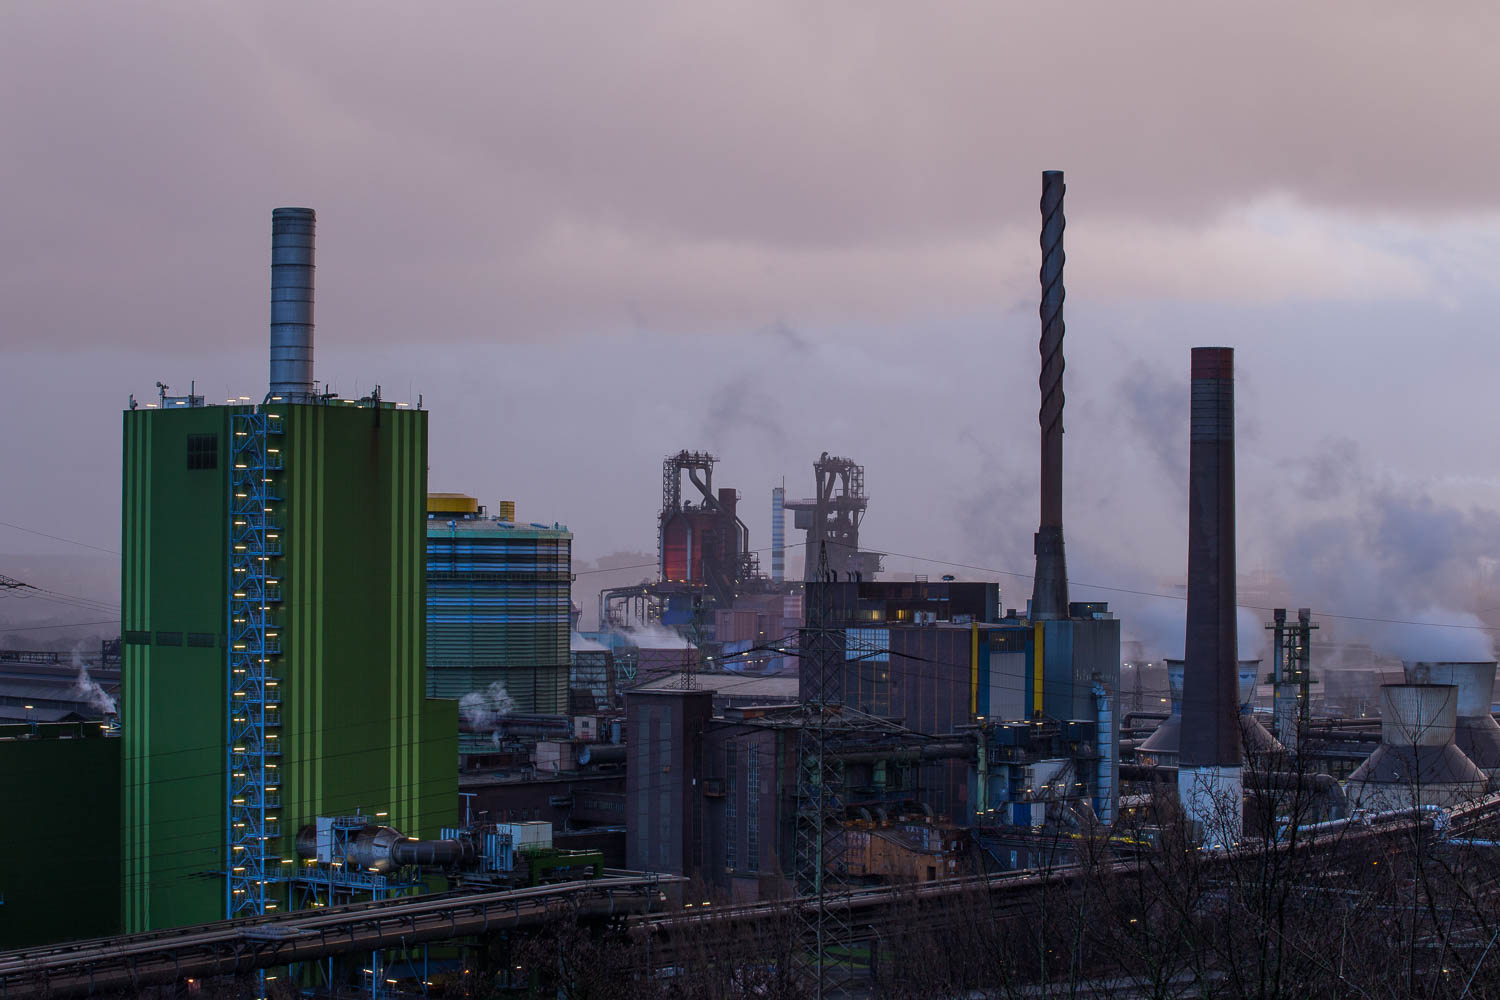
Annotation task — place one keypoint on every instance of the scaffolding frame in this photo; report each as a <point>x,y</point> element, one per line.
<point>1291,675</point>
<point>253,796</point>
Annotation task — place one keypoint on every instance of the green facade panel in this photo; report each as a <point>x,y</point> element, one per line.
<point>61,877</point>
<point>356,731</point>
<point>174,561</point>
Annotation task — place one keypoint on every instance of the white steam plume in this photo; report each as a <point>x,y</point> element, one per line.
<point>88,689</point>
<point>483,710</point>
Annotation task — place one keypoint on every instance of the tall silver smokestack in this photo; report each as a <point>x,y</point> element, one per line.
<point>1049,595</point>
<point>292,234</point>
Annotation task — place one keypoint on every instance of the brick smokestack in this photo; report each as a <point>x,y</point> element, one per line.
<point>1209,774</point>
<point>1049,596</point>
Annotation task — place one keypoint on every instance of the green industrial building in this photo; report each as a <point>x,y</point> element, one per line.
<point>499,606</point>
<point>273,627</point>
<point>60,786</point>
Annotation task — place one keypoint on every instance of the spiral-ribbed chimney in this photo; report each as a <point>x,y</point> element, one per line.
<point>1049,595</point>
<point>292,235</point>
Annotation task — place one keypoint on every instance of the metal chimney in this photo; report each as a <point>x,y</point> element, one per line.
<point>1049,596</point>
<point>1209,782</point>
<point>778,534</point>
<point>292,234</point>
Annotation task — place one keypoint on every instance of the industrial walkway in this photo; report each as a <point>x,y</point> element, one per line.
<point>230,947</point>
<point>885,909</point>
<point>234,947</point>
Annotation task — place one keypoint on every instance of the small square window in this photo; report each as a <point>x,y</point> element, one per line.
<point>203,451</point>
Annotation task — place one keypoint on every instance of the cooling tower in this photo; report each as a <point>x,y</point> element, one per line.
<point>1477,734</point>
<point>1417,763</point>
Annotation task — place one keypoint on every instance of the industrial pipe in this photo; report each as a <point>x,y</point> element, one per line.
<point>383,849</point>
<point>1325,785</point>
<point>1104,805</point>
<point>543,727</point>
<point>908,755</point>
<point>433,853</point>
<point>602,753</point>
<point>1369,819</point>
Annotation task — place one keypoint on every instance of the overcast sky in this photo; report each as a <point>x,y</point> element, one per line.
<point>592,234</point>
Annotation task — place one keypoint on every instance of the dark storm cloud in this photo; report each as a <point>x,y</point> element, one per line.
<point>511,171</point>
<point>530,211</point>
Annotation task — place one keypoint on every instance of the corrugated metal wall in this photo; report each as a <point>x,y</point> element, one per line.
<point>498,605</point>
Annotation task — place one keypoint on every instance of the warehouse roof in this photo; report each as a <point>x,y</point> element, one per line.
<point>736,686</point>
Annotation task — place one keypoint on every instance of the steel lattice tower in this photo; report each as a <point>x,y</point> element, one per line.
<point>820,862</point>
<point>254,708</point>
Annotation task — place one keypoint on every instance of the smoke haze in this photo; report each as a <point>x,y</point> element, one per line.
<point>593,236</point>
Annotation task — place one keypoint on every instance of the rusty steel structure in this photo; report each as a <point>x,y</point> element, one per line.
<point>698,542</point>
<point>832,519</point>
<point>1049,596</point>
<point>703,552</point>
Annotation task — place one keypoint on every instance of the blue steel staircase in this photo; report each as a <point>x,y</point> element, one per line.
<point>254,704</point>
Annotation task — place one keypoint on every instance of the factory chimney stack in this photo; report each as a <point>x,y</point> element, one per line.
<point>778,534</point>
<point>292,234</point>
<point>1209,779</point>
<point>1049,596</point>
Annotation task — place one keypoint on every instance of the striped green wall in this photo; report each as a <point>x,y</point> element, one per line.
<point>357,730</point>
<point>57,881</point>
<point>174,558</point>
<point>354,733</point>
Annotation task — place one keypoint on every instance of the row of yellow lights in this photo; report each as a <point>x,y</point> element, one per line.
<point>242,647</point>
